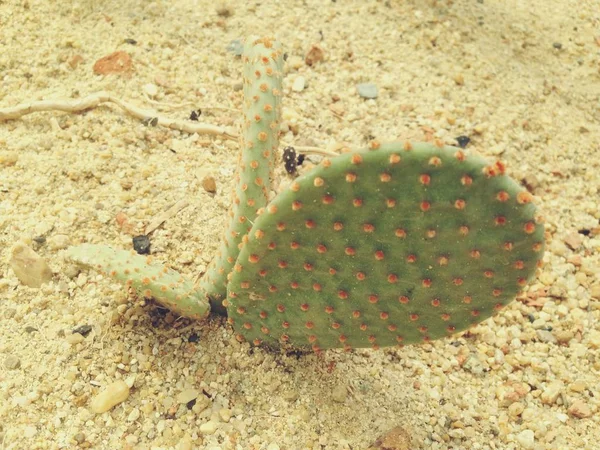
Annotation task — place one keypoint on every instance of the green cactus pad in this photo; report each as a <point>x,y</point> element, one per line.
<point>263,62</point>
<point>149,279</point>
<point>401,244</point>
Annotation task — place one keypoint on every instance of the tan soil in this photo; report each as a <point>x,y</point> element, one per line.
<point>520,78</point>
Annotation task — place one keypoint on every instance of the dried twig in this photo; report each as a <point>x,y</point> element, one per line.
<point>94,100</point>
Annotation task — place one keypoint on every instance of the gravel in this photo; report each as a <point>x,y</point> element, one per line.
<point>505,383</point>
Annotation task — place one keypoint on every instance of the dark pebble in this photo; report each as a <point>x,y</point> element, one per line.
<point>141,244</point>
<point>83,330</point>
<point>463,141</point>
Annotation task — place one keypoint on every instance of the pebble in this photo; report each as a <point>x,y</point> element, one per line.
<point>367,90</point>
<point>151,89</point>
<point>551,393</point>
<point>12,362</point>
<point>236,47</point>
<point>111,396</point>
<point>74,338</point>
<point>516,409</point>
<point>59,242</point>
<point>299,84</point>
<point>187,396</point>
<point>225,414</point>
<point>272,447</point>
<point>395,439</point>
<point>209,184</point>
<point>580,409</point>
<point>526,438</point>
<point>208,427</point>
<point>546,336</point>
<point>314,55</point>
<point>339,393</point>
<point>29,267</point>
<point>115,63</point>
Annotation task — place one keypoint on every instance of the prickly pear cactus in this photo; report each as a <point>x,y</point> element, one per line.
<point>148,278</point>
<point>401,244</point>
<point>263,60</point>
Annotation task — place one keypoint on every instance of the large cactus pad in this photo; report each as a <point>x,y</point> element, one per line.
<point>397,245</point>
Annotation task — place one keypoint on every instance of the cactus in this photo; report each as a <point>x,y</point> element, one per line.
<point>148,278</point>
<point>263,61</point>
<point>398,245</point>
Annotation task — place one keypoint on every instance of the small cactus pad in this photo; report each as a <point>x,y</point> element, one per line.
<point>399,244</point>
<point>149,279</point>
<point>263,62</point>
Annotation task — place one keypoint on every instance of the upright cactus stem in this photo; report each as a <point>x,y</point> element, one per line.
<point>263,62</point>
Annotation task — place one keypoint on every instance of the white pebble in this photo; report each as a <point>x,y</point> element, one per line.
<point>526,438</point>
<point>208,428</point>
<point>299,84</point>
<point>151,90</point>
<point>114,394</point>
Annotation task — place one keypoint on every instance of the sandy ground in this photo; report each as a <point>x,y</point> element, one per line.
<point>521,79</point>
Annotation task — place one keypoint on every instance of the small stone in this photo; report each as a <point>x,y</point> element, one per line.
<point>29,267</point>
<point>83,330</point>
<point>299,84</point>
<point>141,244</point>
<point>151,90</point>
<point>595,291</point>
<point>12,362</point>
<point>580,410</point>
<point>59,242</point>
<point>367,90</point>
<point>557,45</point>
<point>459,79</point>
<point>225,414</point>
<point>208,427</point>
<point>209,184</point>
<point>79,438</point>
<point>74,338</point>
<point>272,447</point>
<point>531,182</point>
<point>395,439</point>
<point>551,393</point>
<point>111,396</point>
<point>463,141</point>
<point>339,393</point>
<point>516,409</point>
<point>546,336</point>
<point>526,438</point>
<point>577,386</point>
<point>573,240</point>
<point>314,55</point>
<point>133,415</point>
<point>236,47</point>
<point>115,63</point>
